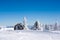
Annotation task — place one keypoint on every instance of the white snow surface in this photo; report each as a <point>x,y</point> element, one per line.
<point>28,35</point>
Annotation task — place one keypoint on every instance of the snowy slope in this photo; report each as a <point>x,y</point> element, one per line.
<point>28,35</point>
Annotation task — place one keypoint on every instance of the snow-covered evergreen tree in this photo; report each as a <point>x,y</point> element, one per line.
<point>46,27</point>
<point>55,26</point>
<point>25,23</point>
<point>36,26</point>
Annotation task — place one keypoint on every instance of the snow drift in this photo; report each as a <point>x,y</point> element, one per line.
<point>28,35</point>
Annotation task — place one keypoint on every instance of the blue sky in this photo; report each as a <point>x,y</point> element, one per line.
<point>13,11</point>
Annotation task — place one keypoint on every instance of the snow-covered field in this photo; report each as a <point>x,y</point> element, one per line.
<point>28,35</point>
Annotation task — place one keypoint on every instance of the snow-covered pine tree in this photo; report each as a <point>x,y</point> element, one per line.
<point>36,26</point>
